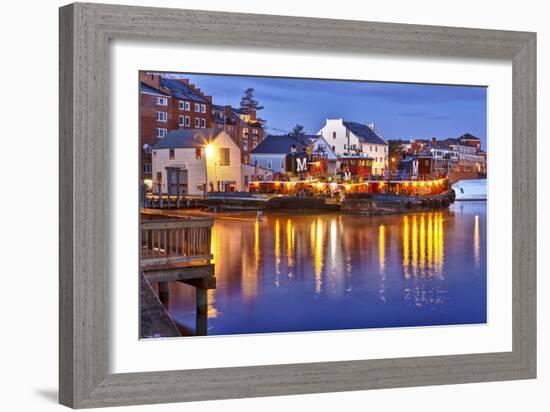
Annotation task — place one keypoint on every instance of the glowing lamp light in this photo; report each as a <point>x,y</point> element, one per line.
<point>209,150</point>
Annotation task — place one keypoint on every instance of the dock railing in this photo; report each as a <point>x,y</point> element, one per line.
<point>175,241</point>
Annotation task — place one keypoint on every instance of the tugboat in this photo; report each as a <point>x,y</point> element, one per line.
<point>419,184</point>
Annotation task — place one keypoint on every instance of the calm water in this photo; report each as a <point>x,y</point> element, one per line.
<point>341,271</point>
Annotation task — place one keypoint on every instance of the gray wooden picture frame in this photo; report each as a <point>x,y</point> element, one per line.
<point>85,32</point>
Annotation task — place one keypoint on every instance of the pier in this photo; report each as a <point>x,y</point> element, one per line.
<point>176,250</point>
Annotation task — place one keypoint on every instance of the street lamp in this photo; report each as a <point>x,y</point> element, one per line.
<point>210,152</point>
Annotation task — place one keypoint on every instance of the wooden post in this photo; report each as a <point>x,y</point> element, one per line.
<point>164,293</point>
<point>202,310</point>
<point>178,189</point>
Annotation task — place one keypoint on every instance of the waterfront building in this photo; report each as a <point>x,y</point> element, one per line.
<point>168,104</point>
<point>191,162</point>
<point>243,127</point>
<point>348,138</point>
<point>273,151</point>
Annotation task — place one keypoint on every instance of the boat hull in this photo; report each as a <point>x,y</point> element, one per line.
<point>382,203</point>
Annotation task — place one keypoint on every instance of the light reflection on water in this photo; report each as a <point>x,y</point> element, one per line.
<point>344,271</point>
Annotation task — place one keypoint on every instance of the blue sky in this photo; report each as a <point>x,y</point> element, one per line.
<point>399,110</point>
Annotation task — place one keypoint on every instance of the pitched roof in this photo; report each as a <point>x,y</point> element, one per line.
<point>279,144</point>
<point>468,136</point>
<point>144,88</point>
<point>364,133</point>
<point>181,90</point>
<point>187,138</point>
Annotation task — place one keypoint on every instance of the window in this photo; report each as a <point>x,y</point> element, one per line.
<point>376,148</point>
<point>181,121</point>
<point>203,123</point>
<point>197,107</point>
<point>159,177</point>
<point>180,104</point>
<point>224,156</point>
<point>161,132</point>
<point>246,180</point>
<point>282,164</point>
<point>147,168</point>
<point>333,148</point>
<point>198,153</point>
<point>187,106</point>
<point>203,108</point>
<point>197,123</point>
<point>334,135</point>
<point>255,131</point>
<point>254,144</point>
<point>245,132</point>
<point>172,154</point>
<point>245,145</point>
<point>162,101</point>
<point>162,117</point>
<point>187,121</point>
<point>370,148</point>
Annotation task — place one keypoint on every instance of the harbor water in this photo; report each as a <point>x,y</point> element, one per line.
<point>299,271</point>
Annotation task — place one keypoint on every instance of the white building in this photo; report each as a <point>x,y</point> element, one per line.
<point>352,138</point>
<point>186,159</point>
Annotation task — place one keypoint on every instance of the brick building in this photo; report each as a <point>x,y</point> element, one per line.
<point>243,127</point>
<point>167,104</point>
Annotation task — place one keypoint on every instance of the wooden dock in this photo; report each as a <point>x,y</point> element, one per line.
<point>178,250</point>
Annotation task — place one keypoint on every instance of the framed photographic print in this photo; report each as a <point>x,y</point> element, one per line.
<point>259,205</point>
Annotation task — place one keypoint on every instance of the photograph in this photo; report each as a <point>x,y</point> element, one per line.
<point>280,205</point>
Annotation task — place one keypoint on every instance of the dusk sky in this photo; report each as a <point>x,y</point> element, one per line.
<point>402,111</point>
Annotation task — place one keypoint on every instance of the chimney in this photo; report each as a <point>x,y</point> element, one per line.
<point>371,126</point>
<point>227,111</point>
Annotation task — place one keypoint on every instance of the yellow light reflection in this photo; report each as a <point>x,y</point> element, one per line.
<point>476,241</point>
<point>414,247</point>
<point>250,270</point>
<point>423,245</point>
<point>406,247</point>
<point>318,255</point>
<point>422,257</point>
<point>382,247</point>
<point>289,244</point>
<point>277,251</point>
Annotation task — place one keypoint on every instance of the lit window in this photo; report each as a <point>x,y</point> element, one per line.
<point>162,101</point>
<point>224,156</point>
<point>162,117</point>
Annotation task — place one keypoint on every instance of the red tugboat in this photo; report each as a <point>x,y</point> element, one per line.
<point>419,184</point>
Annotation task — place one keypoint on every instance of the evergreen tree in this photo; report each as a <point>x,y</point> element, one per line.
<point>248,102</point>
<point>297,131</point>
